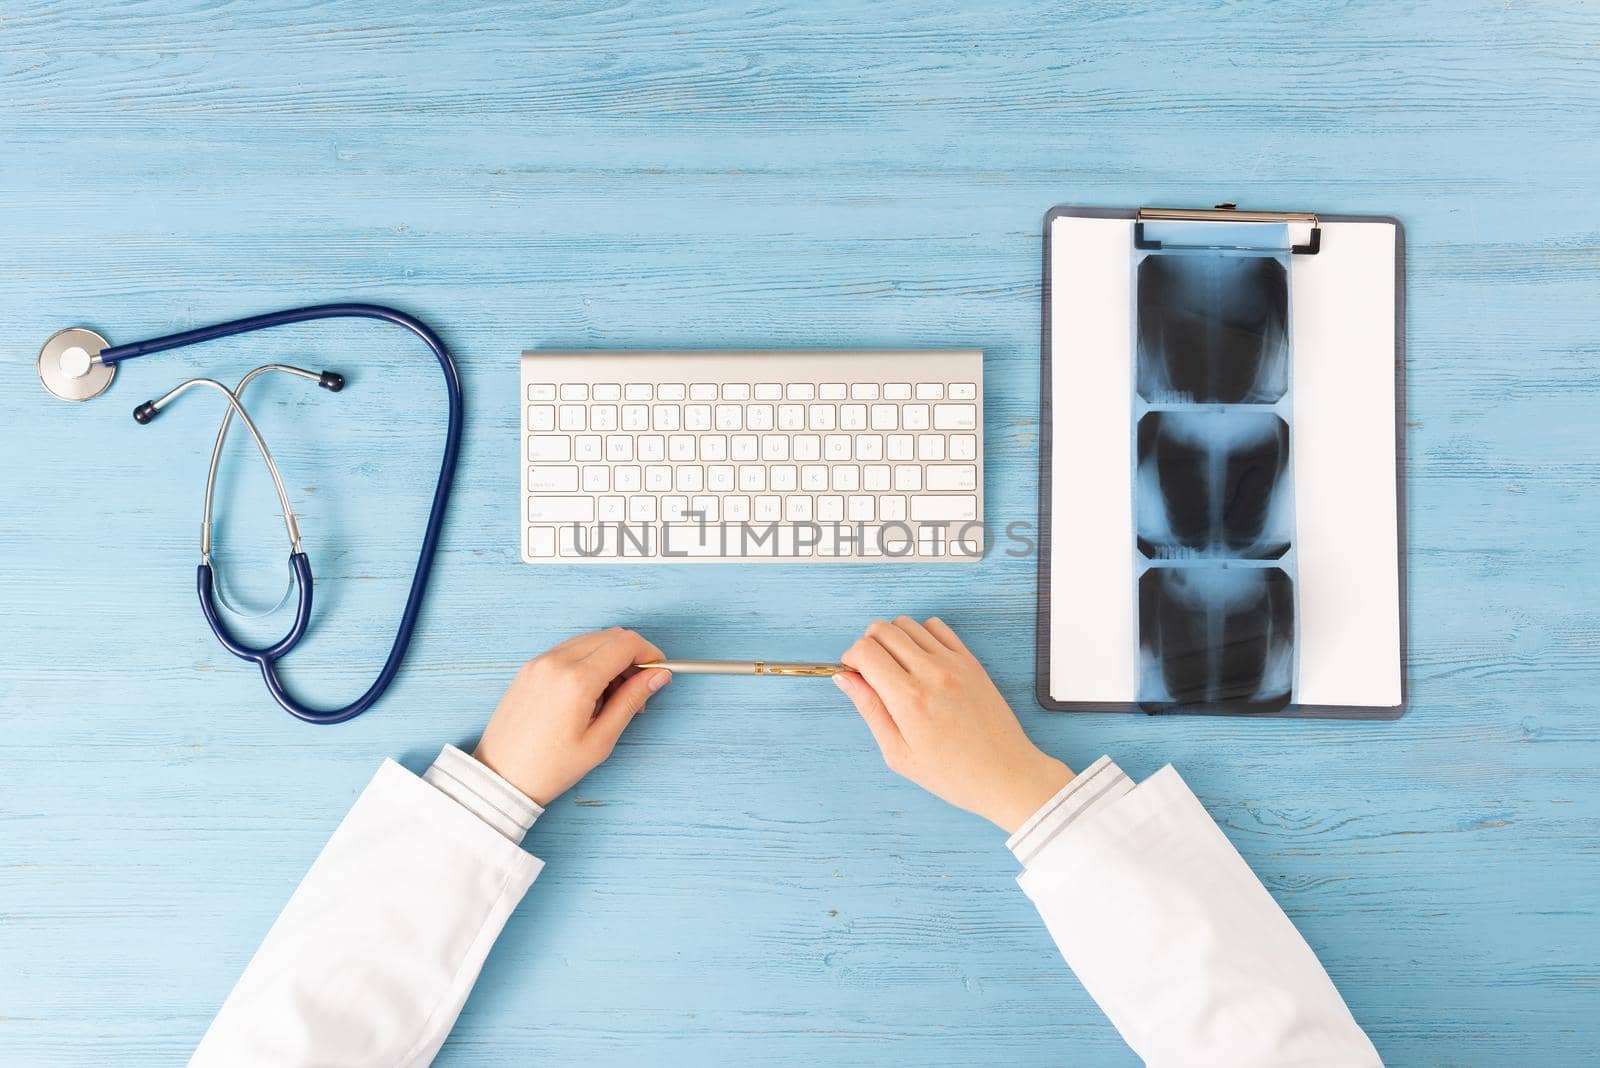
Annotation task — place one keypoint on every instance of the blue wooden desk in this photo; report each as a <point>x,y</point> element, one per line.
<point>744,883</point>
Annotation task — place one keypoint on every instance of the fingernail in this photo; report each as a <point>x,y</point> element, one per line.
<point>839,681</point>
<point>658,679</point>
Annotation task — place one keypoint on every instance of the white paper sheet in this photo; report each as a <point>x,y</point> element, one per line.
<point>1342,447</point>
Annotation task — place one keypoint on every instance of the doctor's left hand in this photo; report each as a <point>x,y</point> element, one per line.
<point>566,709</point>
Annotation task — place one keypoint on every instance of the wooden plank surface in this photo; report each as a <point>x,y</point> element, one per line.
<point>744,883</point>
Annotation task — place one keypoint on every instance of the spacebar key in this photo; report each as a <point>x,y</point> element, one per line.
<point>926,507</point>
<point>560,509</point>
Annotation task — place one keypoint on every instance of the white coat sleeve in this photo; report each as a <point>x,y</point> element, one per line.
<point>373,957</point>
<point>1172,934</point>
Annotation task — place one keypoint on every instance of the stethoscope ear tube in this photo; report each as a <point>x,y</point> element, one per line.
<point>205,583</point>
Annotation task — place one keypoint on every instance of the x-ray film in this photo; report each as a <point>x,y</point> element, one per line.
<point>1212,482</point>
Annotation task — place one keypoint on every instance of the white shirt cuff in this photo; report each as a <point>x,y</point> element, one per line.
<point>1099,784</point>
<point>483,793</point>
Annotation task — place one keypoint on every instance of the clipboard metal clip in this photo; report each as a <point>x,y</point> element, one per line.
<point>1228,213</point>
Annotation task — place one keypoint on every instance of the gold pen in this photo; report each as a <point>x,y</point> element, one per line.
<point>745,667</point>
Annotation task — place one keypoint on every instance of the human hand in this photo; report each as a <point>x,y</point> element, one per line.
<point>566,709</point>
<point>941,723</point>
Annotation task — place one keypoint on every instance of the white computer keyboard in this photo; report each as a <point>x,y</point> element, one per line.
<point>799,457</point>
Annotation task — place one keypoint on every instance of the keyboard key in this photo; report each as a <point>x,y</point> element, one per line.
<point>552,480</point>
<point>791,417</point>
<point>652,448</point>
<point>774,447</point>
<point>573,417</point>
<point>703,391</point>
<point>560,509</point>
<point>697,417</point>
<point>832,391</point>
<point>638,391</point>
<point>901,447</point>
<point>955,416</point>
<point>681,448</point>
<point>671,391</point>
<point>867,391</point>
<point>635,417</point>
<point>575,391</point>
<point>579,541</point>
<point>875,477</point>
<point>745,447</point>
<point>930,507</point>
<point>886,417</point>
<point>735,391</point>
<point>800,391</point>
<point>736,509</point>
<point>713,447</point>
<point>807,447</point>
<point>930,391</point>
<point>673,507</point>
<point>641,509</point>
<point>814,477</point>
<point>768,391</point>
<point>607,391</point>
<point>752,478</point>
<point>963,446</point>
<point>908,478</point>
<point>625,479</point>
<point>852,417</point>
<point>691,478</point>
<point>797,508</point>
<point>830,509</point>
<point>542,541</point>
<point>821,417</point>
<point>730,417</point>
<point>549,447</point>
<point>541,391</point>
<point>861,508</point>
<point>619,447</point>
<point>963,542</point>
<point>892,509</point>
<point>705,508</point>
<point>783,478</point>
<point>694,539</point>
<point>837,446</point>
<point>658,478</point>
<point>603,417</point>
<point>758,417</point>
<point>897,391</point>
<point>869,447</point>
<point>596,479</point>
<point>930,447</point>
<point>719,478</point>
<point>769,509</point>
<point>613,509</point>
<point>963,391</point>
<point>634,540</point>
<point>837,539</point>
<point>847,478</point>
<point>666,416</point>
<point>587,447</point>
<point>914,417</point>
<point>952,477</point>
<point>930,541</point>
<point>541,417</point>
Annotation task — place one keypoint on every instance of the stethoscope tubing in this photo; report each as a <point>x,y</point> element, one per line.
<point>267,658</point>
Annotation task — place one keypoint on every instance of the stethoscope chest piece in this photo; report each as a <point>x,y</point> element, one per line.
<point>70,367</point>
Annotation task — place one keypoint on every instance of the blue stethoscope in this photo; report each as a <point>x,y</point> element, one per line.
<point>77,364</point>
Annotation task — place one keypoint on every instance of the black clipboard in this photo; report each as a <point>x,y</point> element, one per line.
<point>1046,457</point>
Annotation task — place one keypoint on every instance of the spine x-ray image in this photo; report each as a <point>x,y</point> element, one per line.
<point>1213,494</point>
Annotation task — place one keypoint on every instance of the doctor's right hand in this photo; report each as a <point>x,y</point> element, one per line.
<point>940,722</point>
<point>566,709</point>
